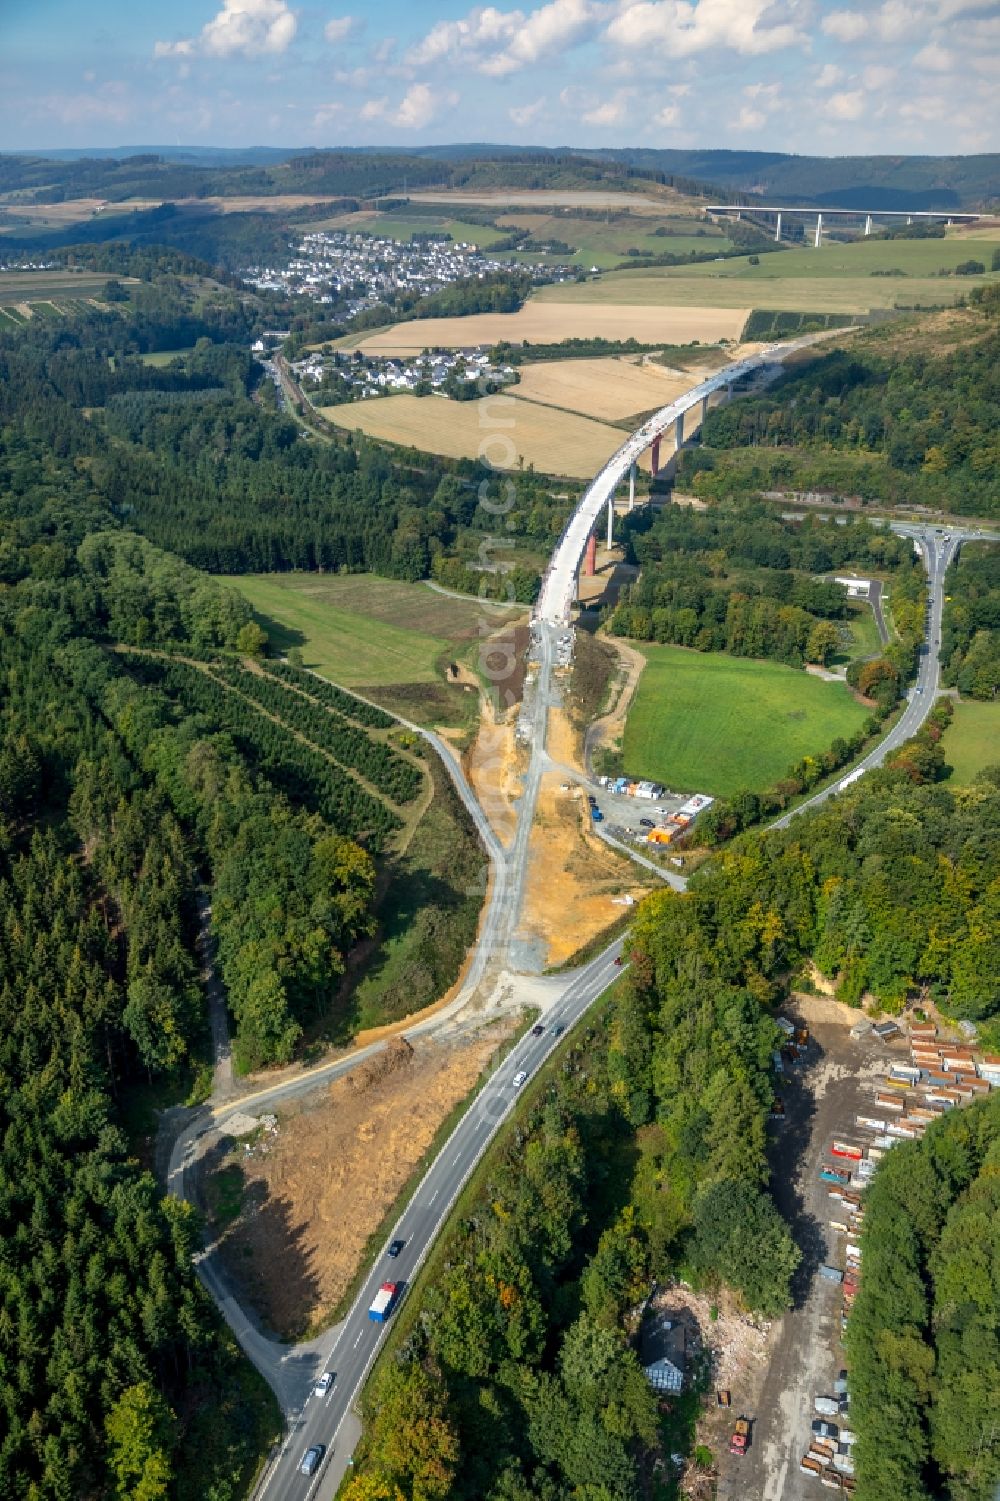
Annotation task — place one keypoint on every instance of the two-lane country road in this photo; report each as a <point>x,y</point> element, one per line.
<point>358,1338</point>
<point>938,550</point>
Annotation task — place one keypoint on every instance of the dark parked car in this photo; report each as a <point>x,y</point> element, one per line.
<point>396,1247</point>
<point>537,1030</point>
<point>311,1459</point>
<point>647,823</point>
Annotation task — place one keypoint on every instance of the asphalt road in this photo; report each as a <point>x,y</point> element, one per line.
<point>357,1340</point>
<point>937,555</point>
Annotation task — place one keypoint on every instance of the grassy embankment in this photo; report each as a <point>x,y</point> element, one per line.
<point>718,724</point>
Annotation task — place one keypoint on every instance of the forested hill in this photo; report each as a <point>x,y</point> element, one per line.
<point>924,1333</point>
<point>197,456</point>
<point>897,415</point>
<point>886,182</point>
<point>515,1373</point>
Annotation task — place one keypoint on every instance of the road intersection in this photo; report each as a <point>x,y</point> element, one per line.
<point>349,1349</point>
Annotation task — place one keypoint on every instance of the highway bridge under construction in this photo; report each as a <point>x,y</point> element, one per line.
<point>559,585</point>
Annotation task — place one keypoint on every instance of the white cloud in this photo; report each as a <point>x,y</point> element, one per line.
<point>669,115</point>
<point>682,28</point>
<point>340,28</point>
<point>611,112</point>
<point>500,42</point>
<point>326,114</point>
<point>111,103</point>
<point>892,21</point>
<point>847,106</point>
<point>845,25</point>
<point>253,28</point>
<point>877,76</point>
<point>935,58</point>
<point>526,114</point>
<point>418,107</point>
<point>416,110</point>
<point>829,76</point>
<point>762,101</point>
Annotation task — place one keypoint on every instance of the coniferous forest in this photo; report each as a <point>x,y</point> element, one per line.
<point>152,766</point>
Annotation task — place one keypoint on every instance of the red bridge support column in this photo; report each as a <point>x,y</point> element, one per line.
<point>590,559</point>
<point>654,456</point>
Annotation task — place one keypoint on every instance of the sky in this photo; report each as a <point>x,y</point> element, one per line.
<point>822,77</point>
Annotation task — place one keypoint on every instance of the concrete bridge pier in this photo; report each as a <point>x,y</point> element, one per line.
<point>611,520</point>
<point>631,488</point>
<point>819,231</point>
<point>777,228</point>
<point>868,225</point>
<point>704,409</point>
<point>654,456</point>
<point>679,433</point>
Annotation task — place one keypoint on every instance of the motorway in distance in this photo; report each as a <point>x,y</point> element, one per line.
<point>359,1339</point>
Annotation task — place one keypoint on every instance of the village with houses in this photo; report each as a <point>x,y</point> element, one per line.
<point>362,271</point>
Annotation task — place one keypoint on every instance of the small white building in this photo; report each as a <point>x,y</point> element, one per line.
<point>856,588</point>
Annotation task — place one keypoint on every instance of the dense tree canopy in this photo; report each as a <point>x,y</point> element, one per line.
<point>918,425</point>
<point>741,579</point>
<point>924,1333</point>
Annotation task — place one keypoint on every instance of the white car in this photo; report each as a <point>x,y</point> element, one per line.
<point>519,1078</point>
<point>323,1385</point>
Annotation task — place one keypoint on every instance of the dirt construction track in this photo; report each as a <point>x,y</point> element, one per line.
<point>806,1354</point>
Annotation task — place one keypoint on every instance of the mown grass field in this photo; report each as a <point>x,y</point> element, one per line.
<point>162,357</point>
<point>364,631</point>
<point>34,286</point>
<point>718,724</point>
<point>972,740</point>
<point>503,430</point>
<point>400,227</point>
<point>608,243</point>
<point>839,277</point>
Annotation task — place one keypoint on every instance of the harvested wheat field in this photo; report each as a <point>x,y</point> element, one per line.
<point>607,389</point>
<point>311,1194</point>
<point>571,871</point>
<point>549,322</point>
<point>502,430</point>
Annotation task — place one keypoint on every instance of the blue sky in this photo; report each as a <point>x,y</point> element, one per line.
<point>824,76</point>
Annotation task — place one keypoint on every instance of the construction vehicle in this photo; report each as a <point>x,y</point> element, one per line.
<point>740,1441</point>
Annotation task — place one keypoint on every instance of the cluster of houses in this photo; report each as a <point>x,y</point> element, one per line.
<point>361,271</point>
<point>382,375</point>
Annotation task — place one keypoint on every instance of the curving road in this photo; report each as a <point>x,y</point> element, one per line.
<point>356,1343</point>
<point>938,555</point>
<point>349,1349</point>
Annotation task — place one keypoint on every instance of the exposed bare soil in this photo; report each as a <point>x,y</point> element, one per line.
<point>573,878</point>
<point>494,766</point>
<point>316,1190</point>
